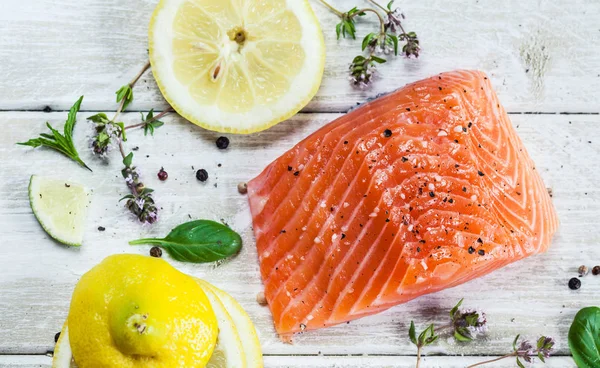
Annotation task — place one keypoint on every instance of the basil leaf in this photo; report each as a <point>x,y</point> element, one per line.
<point>199,241</point>
<point>584,338</point>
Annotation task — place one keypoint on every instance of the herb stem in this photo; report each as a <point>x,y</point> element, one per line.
<point>146,241</point>
<point>493,360</point>
<point>381,21</point>
<point>418,356</point>
<point>139,75</point>
<point>337,12</point>
<point>379,6</point>
<point>158,116</point>
<point>121,149</point>
<point>131,84</point>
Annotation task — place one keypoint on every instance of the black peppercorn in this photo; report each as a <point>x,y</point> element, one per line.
<point>202,175</point>
<point>574,283</point>
<point>481,252</point>
<point>471,250</point>
<point>222,142</point>
<point>596,270</point>
<point>387,133</point>
<point>56,337</point>
<point>101,228</point>
<point>156,252</point>
<point>162,174</point>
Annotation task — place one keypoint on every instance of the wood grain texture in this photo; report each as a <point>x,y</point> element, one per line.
<point>530,297</point>
<point>40,361</point>
<point>540,55</point>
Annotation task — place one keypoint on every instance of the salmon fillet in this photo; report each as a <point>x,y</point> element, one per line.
<point>420,190</point>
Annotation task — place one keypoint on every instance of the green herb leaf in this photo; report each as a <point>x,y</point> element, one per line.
<point>462,334</point>
<point>389,5</point>
<point>125,94</point>
<point>198,241</point>
<point>128,160</point>
<point>121,127</point>
<point>519,363</point>
<point>412,334</point>
<point>128,196</point>
<point>367,40</point>
<point>100,118</point>
<point>378,59</point>
<point>62,143</point>
<point>584,338</point>
<point>455,308</point>
<point>427,336</point>
<point>394,41</point>
<point>515,342</point>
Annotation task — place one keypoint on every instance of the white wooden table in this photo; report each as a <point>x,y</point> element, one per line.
<point>542,56</point>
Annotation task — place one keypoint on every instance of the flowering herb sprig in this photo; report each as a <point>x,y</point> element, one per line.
<point>393,24</point>
<point>140,201</point>
<point>384,42</point>
<point>467,324</point>
<point>464,326</point>
<point>108,131</point>
<point>526,351</point>
<point>427,337</point>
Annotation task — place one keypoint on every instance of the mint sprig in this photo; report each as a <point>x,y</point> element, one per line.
<point>62,143</point>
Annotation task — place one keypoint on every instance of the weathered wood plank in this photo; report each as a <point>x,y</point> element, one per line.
<point>541,55</point>
<point>41,361</point>
<point>37,276</point>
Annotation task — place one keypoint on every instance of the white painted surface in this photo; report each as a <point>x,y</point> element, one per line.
<point>329,362</point>
<point>540,55</point>
<point>53,51</point>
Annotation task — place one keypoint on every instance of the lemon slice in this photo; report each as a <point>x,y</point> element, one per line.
<point>60,207</point>
<point>236,66</point>
<point>243,324</point>
<point>63,358</point>
<point>229,352</point>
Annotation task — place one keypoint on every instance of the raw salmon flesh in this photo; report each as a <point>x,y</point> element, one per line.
<point>420,190</point>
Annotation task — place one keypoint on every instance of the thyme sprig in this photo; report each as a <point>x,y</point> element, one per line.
<point>383,42</point>
<point>110,131</point>
<point>525,351</point>
<point>464,326</point>
<point>427,337</point>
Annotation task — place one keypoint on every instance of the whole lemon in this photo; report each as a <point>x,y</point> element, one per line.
<point>138,311</point>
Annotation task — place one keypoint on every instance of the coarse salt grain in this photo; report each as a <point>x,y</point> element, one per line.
<point>458,129</point>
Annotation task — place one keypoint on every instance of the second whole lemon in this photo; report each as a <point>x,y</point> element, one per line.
<point>136,311</point>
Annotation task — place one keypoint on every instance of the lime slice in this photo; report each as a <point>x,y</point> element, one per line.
<point>243,324</point>
<point>60,207</point>
<point>236,66</point>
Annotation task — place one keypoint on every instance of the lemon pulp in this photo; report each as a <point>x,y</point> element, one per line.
<point>236,65</point>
